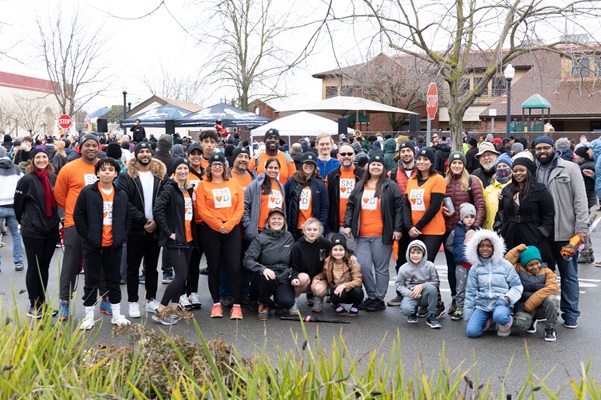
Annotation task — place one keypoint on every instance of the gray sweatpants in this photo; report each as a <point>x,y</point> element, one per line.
<point>429,299</point>
<point>371,251</point>
<point>461,282</point>
<point>71,262</point>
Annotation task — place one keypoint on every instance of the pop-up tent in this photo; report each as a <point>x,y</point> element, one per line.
<point>345,105</point>
<point>157,116</point>
<point>300,125</point>
<point>230,117</point>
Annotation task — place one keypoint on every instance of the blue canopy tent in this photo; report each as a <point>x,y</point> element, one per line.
<point>99,113</point>
<point>157,116</point>
<point>230,117</point>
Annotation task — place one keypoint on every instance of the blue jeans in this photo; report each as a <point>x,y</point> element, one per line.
<point>570,290</point>
<point>8,213</point>
<point>475,326</point>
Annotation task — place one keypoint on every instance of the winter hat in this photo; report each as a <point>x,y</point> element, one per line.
<point>165,142</point>
<point>427,152</point>
<point>192,147</point>
<point>517,147</point>
<point>309,157</point>
<point>36,150</point>
<point>407,144</point>
<point>271,132</point>
<point>526,162</point>
<point>466,209</point>
<point>377,156</point>
<point>86,137</point>
<point>484,147</point>
<point>357,147</point>
<point>180,160</point>
<point>276,210</point>
<point>417,243</point>
<point>472,142</point>
<point>581,151</point>
<point>531,253</point>
<point>2,152</point>
<point>504,158</point>
<point>497,141</point>
<point>239,150</point>
<point>457,155</point>
<point>338,239</point>
<point>489,137</point>
<point>140,146</point>
<point>420,140</point>
<point>113,150</point>
<point>543,139</point>
<point>217,157</point>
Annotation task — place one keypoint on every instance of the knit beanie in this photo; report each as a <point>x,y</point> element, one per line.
<point>466,209</point>
<point>517,147</point>
<point>581,151</point>
<point>543,139</point>
<point>180,160</point>
<point>239,150</point>
<point>377,156</point>
<point>165,142</point>
<point>140,146</point>
<point>114,150</point>
<point>427,152</point>
<point>526,162</point>
<point>86,137</point>
<point>338,239</point>
<point>531,253</point>
<point>271,132</point>
<point>217,156</point>
<point>407,144</point>
<point>504,158</point>
<point>457,155</point>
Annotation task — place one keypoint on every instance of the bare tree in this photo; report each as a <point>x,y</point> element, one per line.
<point>7,116</point>
<point>185,88</point>
<point>72,51</point>
<point>29,110</point>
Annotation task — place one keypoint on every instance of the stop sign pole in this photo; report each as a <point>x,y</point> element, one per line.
<point>431,108</point>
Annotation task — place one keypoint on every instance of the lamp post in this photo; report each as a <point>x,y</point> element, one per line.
<point>509,74</point>
<point>124,106</point>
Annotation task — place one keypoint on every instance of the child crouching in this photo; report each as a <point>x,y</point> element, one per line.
<point>342,276</point>
<point>418,282</point>
<point>493,286</point>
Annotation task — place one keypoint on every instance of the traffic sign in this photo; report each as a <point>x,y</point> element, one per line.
<point>432,100</point>
<point>65,121</point>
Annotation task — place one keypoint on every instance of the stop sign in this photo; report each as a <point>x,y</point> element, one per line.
<point>65,121</point>
<point>432,100</point>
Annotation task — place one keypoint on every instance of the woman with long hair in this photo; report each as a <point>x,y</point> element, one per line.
<point>374,217</point>
<point>37,212</point>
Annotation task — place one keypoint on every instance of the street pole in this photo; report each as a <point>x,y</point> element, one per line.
<point>509,73</point>
<point>428,129</point>
<point>124,110</point>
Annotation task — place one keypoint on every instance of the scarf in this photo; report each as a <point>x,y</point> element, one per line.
<point>48,195</point>
<point>503,175</point>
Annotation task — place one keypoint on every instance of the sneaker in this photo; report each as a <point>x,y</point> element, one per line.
<point>376,305</point>
<point>365,304</point>
<point>216,311</point>
<point>33,312</point>
<point>457,314</point>
<point>432,322</point>
<point>246,300</point>
<point>294,309</point>
<point>236,312</point>
<point>263,312</point>
<point>167,279</point>
<point>164,317</point>
<point>227,302</point>
<point>63,312</point>
<point>204,271</point>
<point>440,311</point>
<point>453,307</point>
<point>253,305</point>
<point>134,310</point>
<point>505,330</point>
<point>121,320</point>
<point>550,335</point>
<point>2,244</point>
<point>195,301</point>
<point>532,328</point>
<point>395,302</point>
<point>105,307</point>
<point>353,312</point>
<point>341,311</point>
<point>412,319</point>
<point>141,279</point>
<point>422,312</point>
<point>570,323</point>
<point>317,305</point>
<point>152,305</point>
<point>86,324</point>
<point>184,302</point>
<point>19,267</point>
<point>310,299</point>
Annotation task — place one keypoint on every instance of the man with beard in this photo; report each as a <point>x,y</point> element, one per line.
<point>565,182</point>
<point>272,150</point>
<point>239,171</point>
<point>73,177</point>
<point>487,156</point>
<point>141,184</point>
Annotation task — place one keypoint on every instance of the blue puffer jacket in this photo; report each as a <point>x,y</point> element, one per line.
<point>489,280</point>
<point>596,146</point>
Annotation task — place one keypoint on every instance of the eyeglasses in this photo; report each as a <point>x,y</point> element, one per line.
<point>217,165</point>
<point>543,148</point>
<point>346,154</point>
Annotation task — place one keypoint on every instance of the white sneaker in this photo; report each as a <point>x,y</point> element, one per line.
<point>184,302</point>
<point>294,309</point>
<point>86,324</point>
<point>152,306</point>
<point>195,300</point>
<point>120,320</point>
<point>134,310</point>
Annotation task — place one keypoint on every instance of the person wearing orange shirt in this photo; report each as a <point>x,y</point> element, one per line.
<point>374,217</point>
<point>208,140</point>
<point>73,177</point>
<point>272,150</point>
<point>221,205</point>
<point>102,219</point>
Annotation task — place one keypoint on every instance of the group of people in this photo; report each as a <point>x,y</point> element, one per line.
<point>274,227</point>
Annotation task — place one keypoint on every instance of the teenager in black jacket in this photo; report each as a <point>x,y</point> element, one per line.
<point>36,211</point>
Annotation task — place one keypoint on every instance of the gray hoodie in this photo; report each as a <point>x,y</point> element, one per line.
<point>411,275</point>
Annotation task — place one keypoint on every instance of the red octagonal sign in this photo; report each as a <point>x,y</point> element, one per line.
<point>65,121</point>
<point>432,100</point>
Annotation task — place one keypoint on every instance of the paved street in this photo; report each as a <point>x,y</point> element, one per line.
<point>497,358</point>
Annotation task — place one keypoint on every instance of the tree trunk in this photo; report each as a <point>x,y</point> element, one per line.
<point>455,125</point>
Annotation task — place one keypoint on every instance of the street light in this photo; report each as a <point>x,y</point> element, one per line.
<point>124,105</point>
<point>509,74</point>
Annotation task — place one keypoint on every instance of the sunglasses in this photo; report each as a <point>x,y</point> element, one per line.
<point>346,154</point>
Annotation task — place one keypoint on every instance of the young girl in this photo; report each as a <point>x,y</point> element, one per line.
<point>343,277</point>
<point>493,286</point>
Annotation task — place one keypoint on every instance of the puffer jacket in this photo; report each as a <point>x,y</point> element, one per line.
<point>455,242</point>
<point>270,249</point>
<point>491,202</point>
<point>459,196</point>
<point>489,280</point>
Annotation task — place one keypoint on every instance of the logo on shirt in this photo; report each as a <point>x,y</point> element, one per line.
<point>194,183</point>
<point>188,209</point>
<point>346,187</point>
<point>369,201</point>
<point>275,199</point>
<point>416,197</point>
<point>107,213</point>
<point>305,199</point>
<point>222,198</point>
<point>90,178</point>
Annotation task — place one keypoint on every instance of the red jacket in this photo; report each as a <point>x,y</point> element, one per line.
<point>477,194</point>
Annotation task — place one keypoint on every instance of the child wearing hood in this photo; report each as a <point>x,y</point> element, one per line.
<point>493,286</point>
<point>418,283</point>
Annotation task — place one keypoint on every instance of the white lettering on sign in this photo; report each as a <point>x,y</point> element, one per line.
<point>107,213</point>
<point>222,198</point>
<point>416,198</point>
<point>305,199</point>
<point>346,187</point>
<point>90,178</point>
<point>275,199</point>
<point>369,201</point>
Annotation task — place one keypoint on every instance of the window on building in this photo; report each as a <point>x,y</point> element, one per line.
<point>346,91</point>
<point>477,81</point>
<point>331,91</point>
<point>499,85</point>
<point>581,67</point>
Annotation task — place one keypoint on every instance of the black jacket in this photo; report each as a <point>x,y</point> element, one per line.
<point>440,156</point>
<point>334,196</point>
<point>484,176</point>
<point>471,162</point>
<point>589,182</point>
<point>168,212</point>
<point>130,183</point>
<point>30,208</point>
<point>391,205</point>
<point>166,159</point>
<point>270,249</point>
<point>88,216</point>
<point>309,257</point>
<point>139,133</point>
<point>319,197</point>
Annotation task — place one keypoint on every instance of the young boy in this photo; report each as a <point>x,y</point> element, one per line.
<point>102,219</point>
<point>539,302</point>
<point>456,241</point>
<point>418,283</point>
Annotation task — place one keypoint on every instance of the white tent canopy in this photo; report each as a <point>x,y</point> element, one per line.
<point>300,124</point>
<point>345,105</point>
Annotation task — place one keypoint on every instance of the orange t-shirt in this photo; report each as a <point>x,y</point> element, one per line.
<point>188,216</point>
<point>305,207</point>
<point>244,181</point>
<point>370,219</point>
<point>220,204</point>
<point>73,177</point>
<point>286,170</point>
<point>347,184</point>
<point>419,199</point>
<point>204,163</point>
<point>275,199</point>
<point>107,216</point>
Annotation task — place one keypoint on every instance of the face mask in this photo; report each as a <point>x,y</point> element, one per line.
<point>503,175</point>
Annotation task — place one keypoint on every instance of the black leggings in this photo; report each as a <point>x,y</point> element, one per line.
<point>432,243</point>
<point>102,269</point>
<point>283,293</point>
<point>224,250</point>
<point>353,296</point>
<point>39,254</point>
<point>194,266</point>
<point>180,259</point>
